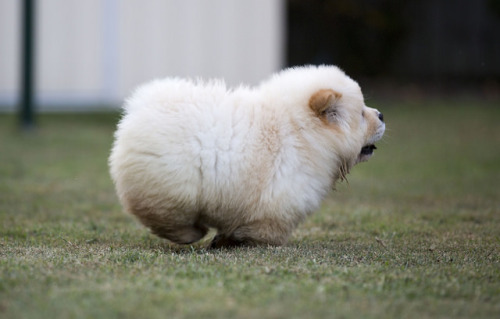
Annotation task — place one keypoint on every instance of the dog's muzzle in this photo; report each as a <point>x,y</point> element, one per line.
<point>367,150</point>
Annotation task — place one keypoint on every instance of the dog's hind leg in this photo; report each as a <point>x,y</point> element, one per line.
<point>180,227</point>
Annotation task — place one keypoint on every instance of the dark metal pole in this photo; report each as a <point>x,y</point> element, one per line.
<point>27,67</point>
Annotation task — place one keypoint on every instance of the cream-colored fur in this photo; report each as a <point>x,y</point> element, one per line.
<point>250,162</point>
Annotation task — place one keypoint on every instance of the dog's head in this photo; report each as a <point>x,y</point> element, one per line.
<point>334,105</point>
<point>357,125</point>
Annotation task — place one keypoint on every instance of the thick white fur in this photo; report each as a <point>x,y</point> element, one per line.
<point>251,162</point>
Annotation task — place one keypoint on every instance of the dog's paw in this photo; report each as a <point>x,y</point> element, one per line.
<point>224,241</point>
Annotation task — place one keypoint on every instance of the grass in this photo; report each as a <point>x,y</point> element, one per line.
<point>414,234</point>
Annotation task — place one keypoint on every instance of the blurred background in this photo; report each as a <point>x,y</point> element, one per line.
<point>90,54</point>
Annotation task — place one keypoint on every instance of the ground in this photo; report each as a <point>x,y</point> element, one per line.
<point>414,233</point>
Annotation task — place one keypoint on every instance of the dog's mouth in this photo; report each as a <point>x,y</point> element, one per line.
<point>368,149</point>
<point>366,152</point>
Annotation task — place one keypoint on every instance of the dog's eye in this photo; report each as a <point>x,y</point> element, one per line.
<point>332,114</point>
<point>329,113</point>
<point>363,113</point>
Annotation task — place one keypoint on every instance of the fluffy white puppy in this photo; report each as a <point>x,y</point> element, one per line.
<point>249,162</point>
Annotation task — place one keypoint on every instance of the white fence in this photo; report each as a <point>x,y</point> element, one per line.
<point>92,53</point>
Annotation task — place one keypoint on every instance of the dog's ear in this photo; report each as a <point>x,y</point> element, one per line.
<point>322,100</point>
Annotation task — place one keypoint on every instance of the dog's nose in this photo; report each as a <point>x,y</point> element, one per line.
<point>381,116</point>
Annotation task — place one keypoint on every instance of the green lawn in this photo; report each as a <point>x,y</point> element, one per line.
<point>415,233</point>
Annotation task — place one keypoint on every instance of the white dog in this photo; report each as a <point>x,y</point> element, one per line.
<point>249,162</point>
